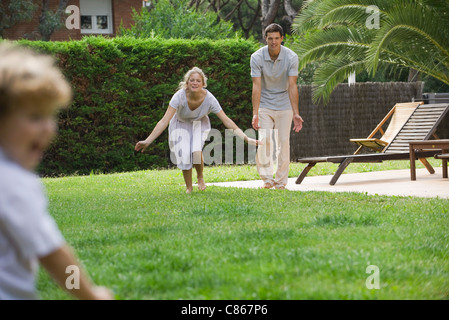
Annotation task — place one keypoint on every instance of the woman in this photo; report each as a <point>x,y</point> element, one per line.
<point>189,125</point>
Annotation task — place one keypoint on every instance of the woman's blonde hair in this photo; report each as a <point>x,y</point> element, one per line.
<point>183,84</point>
<point>30,79</point>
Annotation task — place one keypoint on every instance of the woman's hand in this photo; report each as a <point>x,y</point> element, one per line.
<point>254,142</point>
<point>141,145</point>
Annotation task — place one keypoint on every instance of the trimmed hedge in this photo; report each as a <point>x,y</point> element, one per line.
<point>122,87</point>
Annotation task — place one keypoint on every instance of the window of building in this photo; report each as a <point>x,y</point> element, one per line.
<point>96,16</point>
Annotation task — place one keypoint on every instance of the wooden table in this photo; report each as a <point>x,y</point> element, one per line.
<point>427,145</point>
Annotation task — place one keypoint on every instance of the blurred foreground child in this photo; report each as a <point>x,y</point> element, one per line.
<point>32,89</point>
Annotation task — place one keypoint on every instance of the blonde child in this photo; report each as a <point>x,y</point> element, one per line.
<point>32,89</point>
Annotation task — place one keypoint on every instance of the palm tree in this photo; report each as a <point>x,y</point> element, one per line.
<point>347,36</point>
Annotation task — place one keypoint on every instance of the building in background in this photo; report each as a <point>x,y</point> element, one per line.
<point>96,17</point>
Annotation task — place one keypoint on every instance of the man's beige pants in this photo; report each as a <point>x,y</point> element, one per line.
<point>279,124</point>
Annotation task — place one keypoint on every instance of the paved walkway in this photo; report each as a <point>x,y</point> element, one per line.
<point>391,182</point>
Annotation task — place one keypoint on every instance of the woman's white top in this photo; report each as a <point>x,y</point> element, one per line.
<point>185,114</point>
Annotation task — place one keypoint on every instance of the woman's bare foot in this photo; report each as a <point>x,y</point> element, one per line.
<point>201,184</point>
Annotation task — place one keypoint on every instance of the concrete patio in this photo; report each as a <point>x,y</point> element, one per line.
<point>391,183</point>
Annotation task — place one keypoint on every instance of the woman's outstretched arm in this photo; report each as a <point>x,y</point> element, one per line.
<point>228,123</point>
<point>158,129</point>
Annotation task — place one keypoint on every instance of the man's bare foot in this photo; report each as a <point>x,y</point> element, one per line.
<point>189,189</point>
<point>201,184</point>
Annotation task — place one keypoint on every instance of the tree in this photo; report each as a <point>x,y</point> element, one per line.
<point>347,36</point>
<point>12,12</point>
<point>50,21</point>
<point>242,13</point>
<point>245,13</point>
<point>270,10</point>
<point>178,20</point>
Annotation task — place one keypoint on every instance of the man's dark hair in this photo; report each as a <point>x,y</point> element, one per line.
<point>274,27</point>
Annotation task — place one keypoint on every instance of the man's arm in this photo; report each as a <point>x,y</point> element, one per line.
<point>257,91</point>
<point>294,101</point>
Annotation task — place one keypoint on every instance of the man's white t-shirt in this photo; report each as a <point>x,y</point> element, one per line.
<point>27,231</point>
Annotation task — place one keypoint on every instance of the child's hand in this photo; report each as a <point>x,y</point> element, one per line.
<point>103,293</point>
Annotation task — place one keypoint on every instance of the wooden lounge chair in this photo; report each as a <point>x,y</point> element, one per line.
<point>398,116</point>
<point>445,158</point>
<point>420,124</point>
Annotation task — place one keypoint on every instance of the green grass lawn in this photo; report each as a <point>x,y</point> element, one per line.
<point>139,234</point>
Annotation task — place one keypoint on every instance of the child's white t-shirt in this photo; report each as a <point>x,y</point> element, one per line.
<point>27,231</point>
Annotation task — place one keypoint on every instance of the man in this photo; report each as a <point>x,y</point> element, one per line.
<point>275,99</point>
